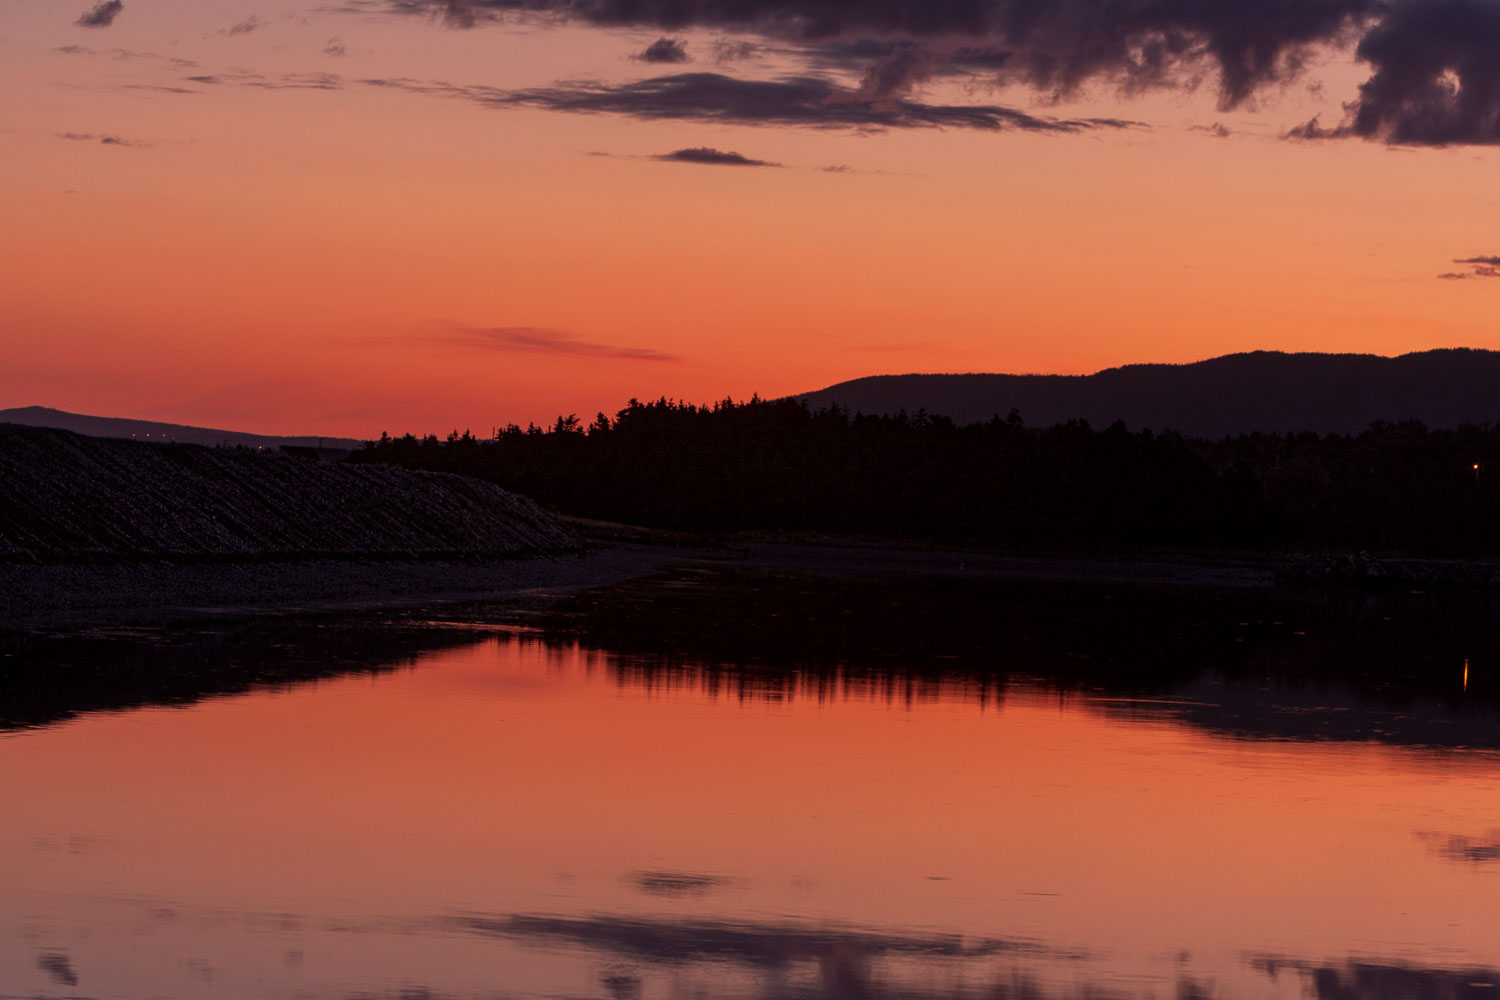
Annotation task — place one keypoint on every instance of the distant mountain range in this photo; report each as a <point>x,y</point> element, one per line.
<point>151,430</point>
<point>1236,393</point>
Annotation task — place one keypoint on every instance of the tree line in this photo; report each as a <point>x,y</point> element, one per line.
<point>779,465</point>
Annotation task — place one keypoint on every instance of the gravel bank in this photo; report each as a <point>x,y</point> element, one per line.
<point>66,498</point>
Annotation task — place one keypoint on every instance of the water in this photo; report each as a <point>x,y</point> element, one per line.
<point>893,811</point>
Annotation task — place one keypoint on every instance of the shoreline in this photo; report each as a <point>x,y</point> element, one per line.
<point>161,593</point>
<point>62,595</point>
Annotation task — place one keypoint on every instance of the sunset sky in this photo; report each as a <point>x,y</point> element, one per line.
<point>351,216</point>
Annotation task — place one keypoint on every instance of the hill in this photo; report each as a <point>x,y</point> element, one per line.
<point>66,497</point>
<point>151,430</point>
<point>1238,393</point>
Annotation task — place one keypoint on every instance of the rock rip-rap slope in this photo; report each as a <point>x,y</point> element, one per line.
<point>67,497</point>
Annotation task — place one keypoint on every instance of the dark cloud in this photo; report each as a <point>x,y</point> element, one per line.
<point>1479,267</point>
<point>665,50</point>
<point>713,157</point>
<point>334,47</point>
<point>101,15</point>
<point>541,340</point>
<point>249,24</point>
<point>457,14</point>
<point>1055,45</point>
<point>1218,130</point>
<point>1436,78</point>
<point>1433,79</point>
<point>1313,129</point>
<point>728,50</point>
<point>711,97</point>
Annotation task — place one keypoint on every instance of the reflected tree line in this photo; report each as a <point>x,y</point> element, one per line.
<point>1254,664</point>
<point>778,465</point>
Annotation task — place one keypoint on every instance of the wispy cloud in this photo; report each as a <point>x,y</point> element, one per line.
<point>809,101</point>
<point>249,24</point>
<point>713,157</point>
<point>334,47</point>
<point>101,15</point>
<point>285,81</point>
<point>107,140</point>
<point>84,50</point>
<point>543,340</point>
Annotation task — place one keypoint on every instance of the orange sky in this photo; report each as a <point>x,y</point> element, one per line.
<point>270,256</point>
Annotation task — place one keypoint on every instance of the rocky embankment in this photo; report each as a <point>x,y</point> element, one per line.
<point>1363,571</point>
<point>65,498</point>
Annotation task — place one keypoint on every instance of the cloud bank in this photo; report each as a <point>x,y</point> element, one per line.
<point>1433,78</point>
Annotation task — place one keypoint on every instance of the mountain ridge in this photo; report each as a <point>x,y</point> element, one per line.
<point>1266,391</point>
<point>156,430</point>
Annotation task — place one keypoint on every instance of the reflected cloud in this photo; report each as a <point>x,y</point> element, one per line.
<point>671,941</point>
<point>1358,980</point>
<point>1465,850</point>
<point>660,883</point>
<point>59,967</point>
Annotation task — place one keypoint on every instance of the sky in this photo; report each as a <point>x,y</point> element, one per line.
<point>352,216</point>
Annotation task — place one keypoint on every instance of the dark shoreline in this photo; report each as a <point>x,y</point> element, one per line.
<point>63,595</point>
<point>170,591</point>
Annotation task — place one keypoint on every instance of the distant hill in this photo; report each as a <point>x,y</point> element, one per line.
<point>1258,391</point>
<point>151,430</point>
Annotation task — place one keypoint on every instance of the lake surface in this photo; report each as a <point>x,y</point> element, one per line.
<point>718,786</point>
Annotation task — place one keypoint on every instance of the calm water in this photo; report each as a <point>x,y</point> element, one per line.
<point>538,813</point>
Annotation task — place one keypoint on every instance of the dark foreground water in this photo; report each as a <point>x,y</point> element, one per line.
<point>764,786</point>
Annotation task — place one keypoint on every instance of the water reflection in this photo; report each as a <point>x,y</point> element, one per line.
<point>1402,669</point>
<point>1457,847</point>
<point>666,790</point>
<point>52,676</point>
